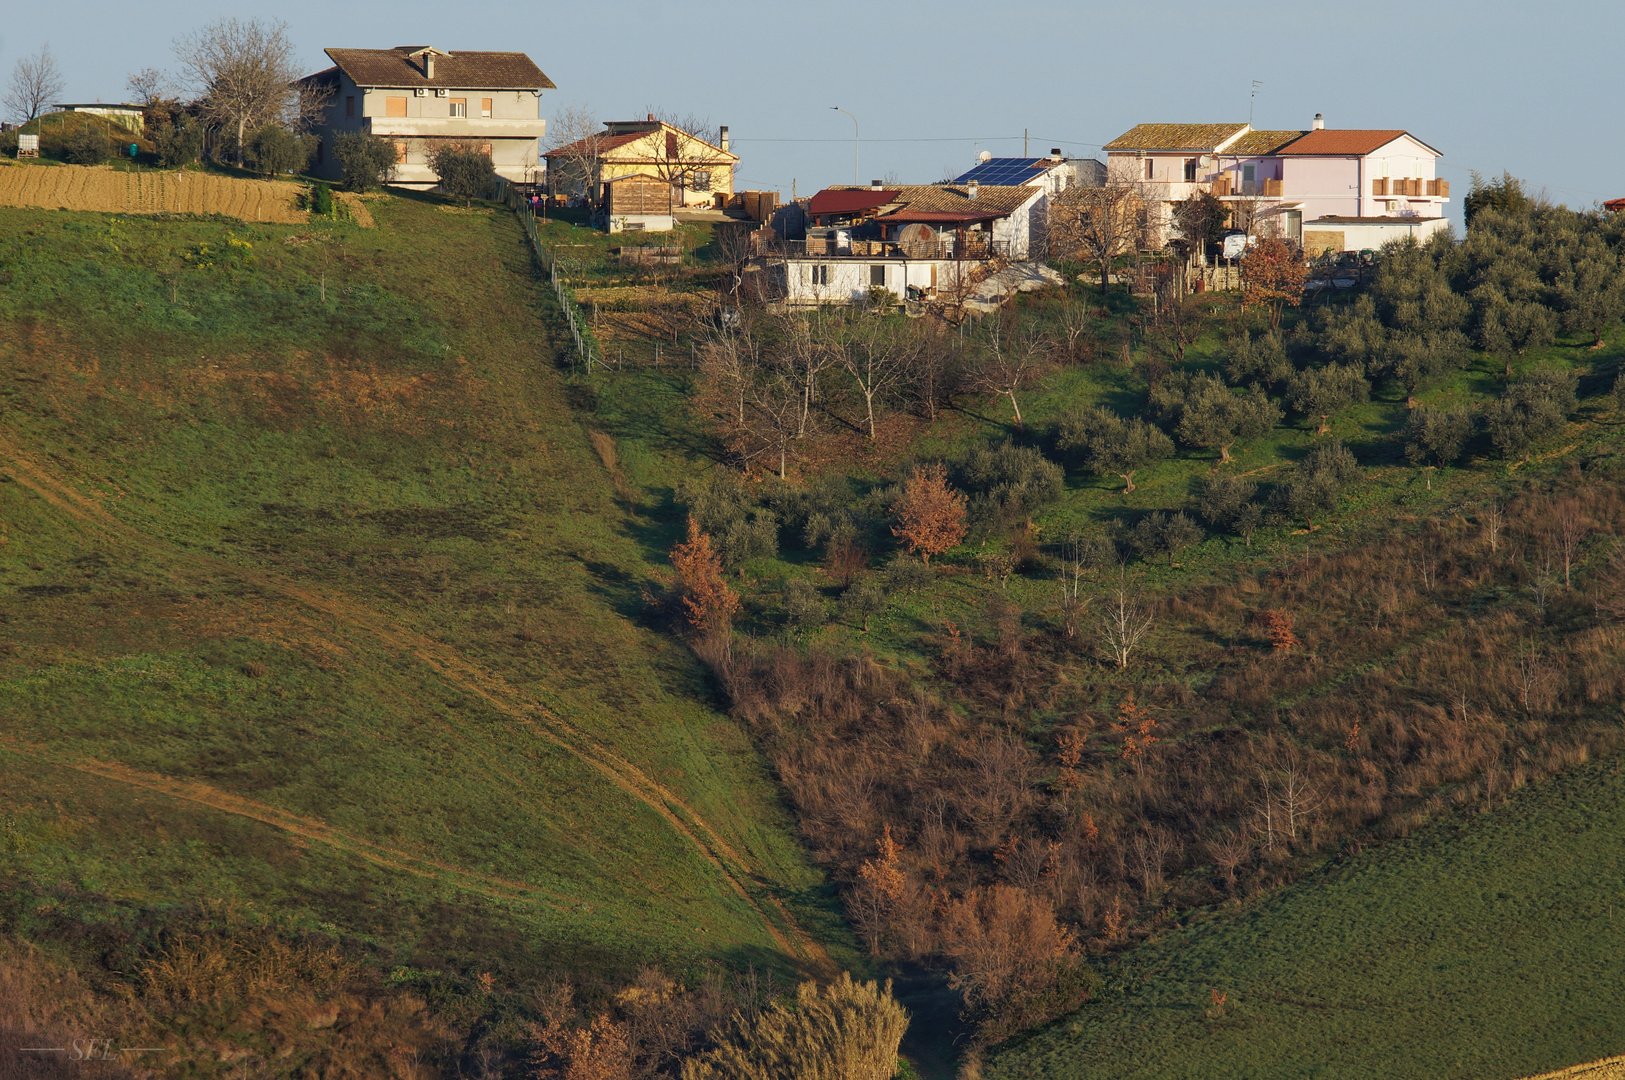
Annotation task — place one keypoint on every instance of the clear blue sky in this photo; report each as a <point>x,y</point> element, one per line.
<point>1534,88</point>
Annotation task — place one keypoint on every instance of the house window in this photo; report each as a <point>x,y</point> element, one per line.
<point>485,107</point>
<point>394,106</point>
<point>349,107</point>
<point>459,108</point>
<point>877,275</point>
<point>820,274</point>
<point>400,151</point>
<point>701,180</point>
<point>1150,168</point>
<point>1190,170</point>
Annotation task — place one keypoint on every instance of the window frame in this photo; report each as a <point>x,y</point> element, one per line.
<point>877,270</point>
<point>392,110</point>
<point>457,108</point>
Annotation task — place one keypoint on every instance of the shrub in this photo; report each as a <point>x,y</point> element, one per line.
<point>1435,436</point>
<point>85,145</point>
<point>844,1031</point>
<point>1109,444</point>
<point>1318,481</point>
<point>804,606</point>
<point>1164,534</point>
<point>1531,409</point>
<point>464,174</point>
<point>1007,483</point>
<point>366,160</point>
<point>1227,503</point>
<point>178,143</point>
<point>739,529</point>
<point>321,200</point>
<point>931,514</point>
<point>275,151</point>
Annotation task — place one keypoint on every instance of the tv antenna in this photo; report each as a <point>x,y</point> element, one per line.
<point>1256,84</point>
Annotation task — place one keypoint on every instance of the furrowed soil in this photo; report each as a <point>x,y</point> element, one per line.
<point>317,601</point>
<point>103,188</point>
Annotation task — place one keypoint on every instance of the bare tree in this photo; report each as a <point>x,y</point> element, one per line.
<point>687,150</point>
<point>574,148</point>
<point>1572,528</point>
<point>247,75</point>
<point>1494,522</point>
<point>1098,224</point>
<point>878,357</point>
<point>1125,622</point>
<point>34,82</point>
<point>148,86</point>
<point>1008,360</point>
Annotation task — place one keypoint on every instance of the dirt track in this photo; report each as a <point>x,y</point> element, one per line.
<point>1607,1069</point>
<point>456,668</point>
<point>105,189</point>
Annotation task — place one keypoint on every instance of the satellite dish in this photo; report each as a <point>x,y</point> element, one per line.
<point>985,155</point>
<point>917,241</point>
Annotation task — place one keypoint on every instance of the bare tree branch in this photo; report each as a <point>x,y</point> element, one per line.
<point>246,75</point>
<point>34,82</point>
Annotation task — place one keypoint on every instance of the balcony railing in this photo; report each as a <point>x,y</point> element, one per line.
<point>971,248</point>
<point>1224,187</point>
<point>1417,188</point>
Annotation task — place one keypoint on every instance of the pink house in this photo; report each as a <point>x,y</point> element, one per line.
<point>1324,188</point>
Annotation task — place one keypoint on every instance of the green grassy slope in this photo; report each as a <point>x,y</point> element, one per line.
<point>1482,948</point>
<point>327,606</point>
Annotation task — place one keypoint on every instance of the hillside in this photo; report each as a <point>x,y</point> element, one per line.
<point>318,603</point>
<point>1481,948</point>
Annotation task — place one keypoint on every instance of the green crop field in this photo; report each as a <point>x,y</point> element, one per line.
<point>316,600</point>
<point>1481,948</point>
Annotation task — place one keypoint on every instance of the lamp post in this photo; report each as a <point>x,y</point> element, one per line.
<point>837,108</point>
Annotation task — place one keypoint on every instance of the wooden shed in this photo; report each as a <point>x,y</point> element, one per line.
<point>637,195</point>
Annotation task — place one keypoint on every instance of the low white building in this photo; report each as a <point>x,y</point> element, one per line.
<point>1335,233</point>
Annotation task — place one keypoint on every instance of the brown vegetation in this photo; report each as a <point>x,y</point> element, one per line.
<point>987,817</point>
<point>103,188</point>
<point>931,514</point>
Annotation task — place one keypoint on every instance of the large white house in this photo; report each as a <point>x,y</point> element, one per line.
<point>1323,187</point>
<point>422,98</point>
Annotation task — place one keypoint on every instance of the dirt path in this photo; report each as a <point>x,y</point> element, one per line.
<point>457,669</point>
<point>305,828</point>
<point>1607,1069</point>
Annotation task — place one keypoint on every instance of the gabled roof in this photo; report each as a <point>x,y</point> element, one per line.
<point>596,144</point>
<point>1260,143</point>
<point>1208,137</point>
<point>849,200</point>
<point>1615,205</point>
<point>453,71</point>
<point>1345,142</point>
<point>952,202</point>
<point>608,140</point>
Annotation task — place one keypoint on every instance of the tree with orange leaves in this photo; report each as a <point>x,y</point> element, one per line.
<point>931,514</point>
<point>1136,725</point>
<point>1278,625</point>
<point>1273,274</point>
<point>708,603</point>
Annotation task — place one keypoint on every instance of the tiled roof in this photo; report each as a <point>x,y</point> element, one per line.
<point>599,144</point>
<point>992,200</point>
<point>1260,143</point>
<point>452,71</point>
<point>1615,205</point>
<point>1174,137</point>
<point>849,200</point>
<point>1344,142</point>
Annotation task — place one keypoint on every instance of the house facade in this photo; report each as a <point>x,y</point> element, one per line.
<point>926,241</point>
<point>696,171</point>
<point>1294,184</point>
<point>422,98</point>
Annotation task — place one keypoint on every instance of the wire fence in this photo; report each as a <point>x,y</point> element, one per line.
<point>585,353</point>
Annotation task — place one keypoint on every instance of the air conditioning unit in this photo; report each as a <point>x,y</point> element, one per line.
<point>440,92</point>
<point>421,92</point>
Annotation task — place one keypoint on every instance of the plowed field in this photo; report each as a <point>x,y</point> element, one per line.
<point>102,188</point>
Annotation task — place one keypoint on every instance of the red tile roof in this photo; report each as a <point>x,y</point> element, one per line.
<point>453,71</point>
<point>594,145</point>
<point>1344,142</point>
<point>849,200</point>
<point>1616,205</point>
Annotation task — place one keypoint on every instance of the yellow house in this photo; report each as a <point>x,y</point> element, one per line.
<point>693,170</point>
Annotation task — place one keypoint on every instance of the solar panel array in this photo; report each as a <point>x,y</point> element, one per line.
<point>1011,171</point>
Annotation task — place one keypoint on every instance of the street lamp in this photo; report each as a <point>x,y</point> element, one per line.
<point>837,108</point>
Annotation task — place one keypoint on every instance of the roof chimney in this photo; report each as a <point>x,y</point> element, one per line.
<point>973,190</point>
<point>1055,154</point>
<point>428,64</point>
<point>874,185</point>
<point>1320,122</point>
<point>723,132</point>
<point>651,117</point>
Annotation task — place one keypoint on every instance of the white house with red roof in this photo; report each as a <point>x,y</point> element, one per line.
<point>1325,188</point>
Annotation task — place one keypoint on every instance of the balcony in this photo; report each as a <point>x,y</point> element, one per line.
<point>1415,188</point>
<point>454,127</point>
<point>1225,187</point>
<point>971,248</point>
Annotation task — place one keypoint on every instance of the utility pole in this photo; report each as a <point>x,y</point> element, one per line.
<point>1023,142</point>
<point>837,108</point>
